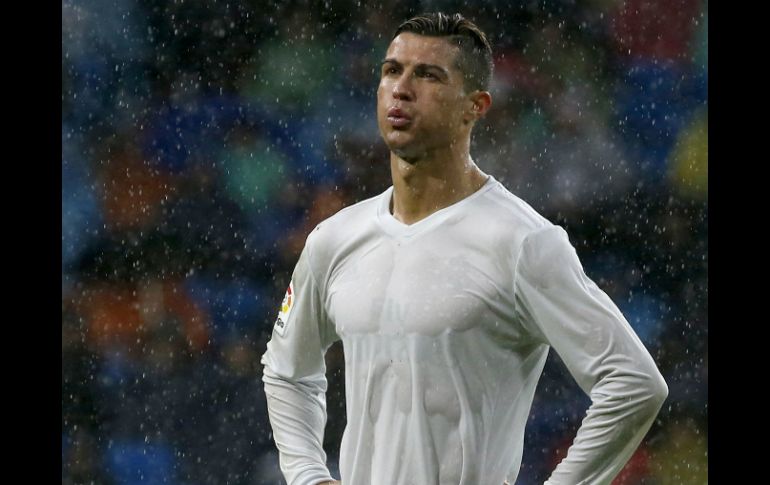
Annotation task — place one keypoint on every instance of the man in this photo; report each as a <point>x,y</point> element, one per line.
<point>447,292</point>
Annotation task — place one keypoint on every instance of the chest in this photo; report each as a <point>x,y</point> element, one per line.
<point>416,287</point>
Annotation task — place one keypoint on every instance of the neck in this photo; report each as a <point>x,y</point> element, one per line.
<point>428,184</point>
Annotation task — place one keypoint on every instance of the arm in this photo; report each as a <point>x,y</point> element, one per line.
<point>562,307</point>
<point>295,378</point>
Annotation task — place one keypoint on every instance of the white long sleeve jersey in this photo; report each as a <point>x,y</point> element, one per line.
<point>446,325</point>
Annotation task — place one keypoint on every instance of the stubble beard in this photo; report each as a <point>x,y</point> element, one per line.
<point>409,151</point>
<point>413,150</point>
<point>409,156</point>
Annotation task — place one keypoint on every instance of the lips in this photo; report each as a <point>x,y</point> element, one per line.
<point>398,118</point>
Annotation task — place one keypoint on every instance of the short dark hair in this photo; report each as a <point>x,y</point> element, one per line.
<point>475,57</point>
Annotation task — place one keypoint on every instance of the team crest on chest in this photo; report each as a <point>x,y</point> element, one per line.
<point>286,305</point>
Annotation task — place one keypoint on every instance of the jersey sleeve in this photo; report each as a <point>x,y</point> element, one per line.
<point>563,308</point>
<point>294,376</point>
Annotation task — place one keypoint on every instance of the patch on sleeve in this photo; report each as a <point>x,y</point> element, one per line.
<point>286,306</point>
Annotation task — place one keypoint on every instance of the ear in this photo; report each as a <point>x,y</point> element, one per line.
<point>479,103</point>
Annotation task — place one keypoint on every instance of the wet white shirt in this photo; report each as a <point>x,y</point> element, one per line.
<point>446,325</point>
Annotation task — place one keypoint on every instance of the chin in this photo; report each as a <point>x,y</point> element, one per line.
<point>410,153</point>
<point>405,155</point>
<point>398,138</point>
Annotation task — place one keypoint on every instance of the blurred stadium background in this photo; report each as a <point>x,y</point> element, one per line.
<point>202,141</point>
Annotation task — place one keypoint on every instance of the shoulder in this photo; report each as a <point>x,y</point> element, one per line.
<point>547,257</point>
<point>348,223</point>
<point>514,209</point>
<point>508,217</point>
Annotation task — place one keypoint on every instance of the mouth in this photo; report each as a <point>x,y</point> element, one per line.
<point>398,118</point>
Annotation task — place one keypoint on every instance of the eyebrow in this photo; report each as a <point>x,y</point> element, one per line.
<point>390,60</point>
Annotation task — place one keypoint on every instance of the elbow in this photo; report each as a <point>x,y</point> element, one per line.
<point>657,391</point>
<point>662,392</point>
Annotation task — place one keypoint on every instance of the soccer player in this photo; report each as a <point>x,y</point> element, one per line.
<point>447,292</point>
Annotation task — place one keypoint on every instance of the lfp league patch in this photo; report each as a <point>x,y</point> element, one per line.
<point>286,306</point>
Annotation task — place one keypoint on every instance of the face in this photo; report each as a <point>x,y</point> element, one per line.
<point>421,103</point>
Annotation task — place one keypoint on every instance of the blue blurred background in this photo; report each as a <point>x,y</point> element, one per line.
<point>202,141</point>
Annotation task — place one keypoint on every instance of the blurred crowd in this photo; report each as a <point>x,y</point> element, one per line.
<point>202,142</point>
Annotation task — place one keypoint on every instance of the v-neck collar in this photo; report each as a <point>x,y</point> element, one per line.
<point>396,228</point>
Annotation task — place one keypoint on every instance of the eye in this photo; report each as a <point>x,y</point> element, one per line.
<point>389,70</point>
<point>428,75</point>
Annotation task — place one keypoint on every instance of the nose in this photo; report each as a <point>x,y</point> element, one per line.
<point>402,89</point>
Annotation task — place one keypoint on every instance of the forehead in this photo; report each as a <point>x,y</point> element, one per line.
<point>410,48</point>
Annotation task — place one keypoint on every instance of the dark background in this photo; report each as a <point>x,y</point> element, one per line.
<point>202,141</point>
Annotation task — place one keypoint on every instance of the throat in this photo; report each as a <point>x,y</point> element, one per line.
<point>413,201</point>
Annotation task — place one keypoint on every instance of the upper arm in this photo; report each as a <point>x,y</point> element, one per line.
<point>302,332</point>
<point>562,307</point>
